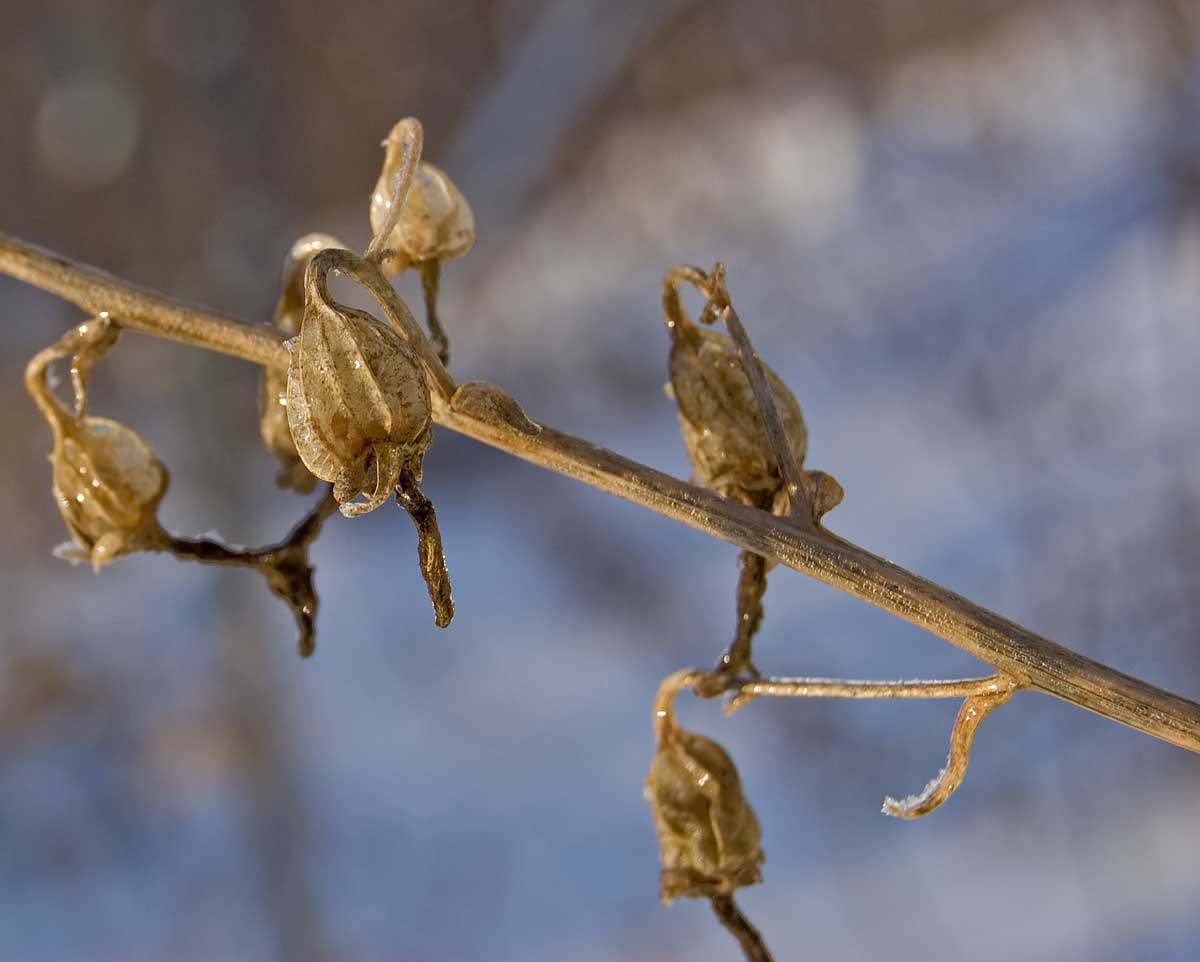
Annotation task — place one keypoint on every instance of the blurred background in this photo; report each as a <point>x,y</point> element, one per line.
<point>967,234</point>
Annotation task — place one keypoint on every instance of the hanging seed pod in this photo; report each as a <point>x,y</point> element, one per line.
<point>272,399</point>
<point>107,483</point>
<point>358,403</point>
<point>719,417</point>
<point>708,835</point>
<point>437,223</point>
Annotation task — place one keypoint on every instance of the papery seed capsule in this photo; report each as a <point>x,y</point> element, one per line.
<point>289,312</point>
<point>358,403</point>
<point>708,835</point>
<point>437,223</point>
<point>719,418</point>
<point>108,484</point>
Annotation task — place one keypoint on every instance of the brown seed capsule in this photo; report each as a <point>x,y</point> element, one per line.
<point>273,417</point>
<point>719,417</point>
<point>708,836</point>
<point>108,484</point>
<point>437,223</point>
<point>358,403</point>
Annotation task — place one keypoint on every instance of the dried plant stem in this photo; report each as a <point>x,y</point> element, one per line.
<point>1030,660</point>
<point>431,275</point>
<point>730,916</point>
<point>411,136</point>
<point>745,692</point>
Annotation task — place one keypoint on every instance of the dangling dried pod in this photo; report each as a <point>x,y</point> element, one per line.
<point>708,835</point>
<point>273,415</point>
<point>107,483</point>
<point>358,403</point>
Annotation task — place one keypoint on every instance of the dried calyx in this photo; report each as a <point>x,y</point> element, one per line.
<point>358,403</point>
<point>273,417</point>
<point>708,835</point>
<point>360,414</point>
<point>420,219</point>
<point>107,481</point>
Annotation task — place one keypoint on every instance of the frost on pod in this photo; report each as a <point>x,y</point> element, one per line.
<point>708,835</point>
<point>273,417</point>
<point>107,483</point>
<point>358,403</point>
<point>436,223</point>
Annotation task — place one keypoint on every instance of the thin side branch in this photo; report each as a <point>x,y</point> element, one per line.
<point>746,691</point>
<point>730,915</point>
<point>1030,660</point>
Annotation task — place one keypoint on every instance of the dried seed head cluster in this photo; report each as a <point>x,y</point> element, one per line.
<point>358,403</point>
<point>273,416</point>
<point>708,835</point>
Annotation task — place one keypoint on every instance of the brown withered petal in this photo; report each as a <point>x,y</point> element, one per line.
<point>108,484</point>
<point>719,417</point>
<point>708,835</point>
<point>437,223</point>
<point>272,397</point>
<point>358,403</point>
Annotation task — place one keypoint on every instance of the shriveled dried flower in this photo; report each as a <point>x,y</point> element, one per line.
<point>358,403</point>
<point>273,416</point>
<point>708,835</point>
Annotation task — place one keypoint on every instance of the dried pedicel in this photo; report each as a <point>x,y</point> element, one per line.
<point>273,416</point>
<point>432,224</point>
<point>358,403</point>
<point>708,835</point>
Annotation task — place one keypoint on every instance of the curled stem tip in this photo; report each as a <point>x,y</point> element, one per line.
<point>974,709</point>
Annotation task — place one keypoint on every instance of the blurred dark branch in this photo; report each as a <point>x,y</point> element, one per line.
<point>1027,659</point>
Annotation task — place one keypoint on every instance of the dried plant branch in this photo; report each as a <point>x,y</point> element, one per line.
<point>974,710</point>
<point>1030,660</point>
<point>285,565</point>
<point>727,912</point>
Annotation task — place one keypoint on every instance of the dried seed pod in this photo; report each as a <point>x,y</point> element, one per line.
<point>289,312</point>
<point>708,835</point>
<point>437,223</point>
<point>108,484</point>
<point>719,417</point>
<point>358,403</point>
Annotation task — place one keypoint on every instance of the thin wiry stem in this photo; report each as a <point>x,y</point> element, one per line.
<point>745,692</point>
<point>749,938</point>
<point>1027,658</point>
<point>974,710</point>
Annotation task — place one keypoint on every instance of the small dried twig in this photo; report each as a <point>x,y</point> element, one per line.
<point>285,565</point>
<point>749,938</point>
<point>409,133</point>
<point>974,710</point>
<point>745,692</point>
<point>431,273</point>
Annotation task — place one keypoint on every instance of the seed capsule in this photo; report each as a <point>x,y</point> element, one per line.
<point>437,223</point>
<point>108,484</point>
<point>708,835</point>
<point>358,403</point>
<point>273,417</point>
